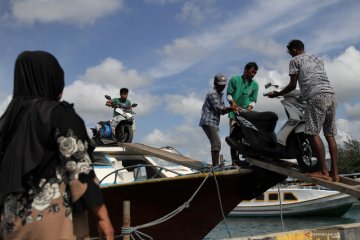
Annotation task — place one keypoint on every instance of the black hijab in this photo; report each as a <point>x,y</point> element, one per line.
<point>25,126</point>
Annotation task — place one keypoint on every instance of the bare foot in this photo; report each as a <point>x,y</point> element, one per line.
<point>319,175</point>
<point>335,177</point>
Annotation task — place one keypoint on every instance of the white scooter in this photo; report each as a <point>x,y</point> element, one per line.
<point>118,129</point>
<point>253,134</point>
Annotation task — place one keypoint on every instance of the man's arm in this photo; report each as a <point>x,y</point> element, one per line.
<point>215,102</point>
<point>231,101</point>
<point>290,87</point>
<point>253,98</point>
<point>230,91</point>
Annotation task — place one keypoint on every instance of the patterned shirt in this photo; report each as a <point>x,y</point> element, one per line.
<point>211,109</point>
<point>311,75</point>
<point>64,186</point>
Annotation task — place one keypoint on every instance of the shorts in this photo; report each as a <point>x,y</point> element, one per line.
<point>321,113</point>
<point>213,136</point>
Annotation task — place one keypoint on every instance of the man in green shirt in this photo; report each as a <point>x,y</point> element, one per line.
<point>242,91</point>
<point>123,101</point>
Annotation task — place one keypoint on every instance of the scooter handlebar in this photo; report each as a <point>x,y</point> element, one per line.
<point>267,94</point>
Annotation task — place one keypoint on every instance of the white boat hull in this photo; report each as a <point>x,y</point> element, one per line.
<point>309,202</point>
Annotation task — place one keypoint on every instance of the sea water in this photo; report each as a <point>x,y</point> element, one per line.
<point>242,227</point>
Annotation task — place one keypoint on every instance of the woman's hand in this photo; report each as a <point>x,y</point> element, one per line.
<point>105,230</point>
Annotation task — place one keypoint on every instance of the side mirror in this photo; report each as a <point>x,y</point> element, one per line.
<point>107,97</point>
<point>134,105</point>
<point>267,85</point>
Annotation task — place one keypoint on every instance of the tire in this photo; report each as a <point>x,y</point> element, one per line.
<point>235,157</point>
<point>304,155</point>
<point>96,141</point>
<point>128,135</point>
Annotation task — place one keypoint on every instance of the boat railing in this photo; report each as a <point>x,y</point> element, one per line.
<point>302,186</point>
<point>138,174</point>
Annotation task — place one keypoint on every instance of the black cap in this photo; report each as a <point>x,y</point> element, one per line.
<point>220,79</point>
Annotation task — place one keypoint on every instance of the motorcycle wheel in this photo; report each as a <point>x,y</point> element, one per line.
<point>128,135</point>
<point>96,142</point>
<point>304,155</point>
<point>236,159</point>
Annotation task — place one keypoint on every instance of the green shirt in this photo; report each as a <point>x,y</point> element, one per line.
<point>243,93</point>
<point>123,104</point>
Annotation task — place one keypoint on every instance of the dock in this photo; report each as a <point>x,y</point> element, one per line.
<point>336,232</point>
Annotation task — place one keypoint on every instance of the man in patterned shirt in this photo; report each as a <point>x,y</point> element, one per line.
<point>210,115</point>
<point>309,71</point>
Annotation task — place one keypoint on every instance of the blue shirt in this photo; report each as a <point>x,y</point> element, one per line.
<point>211,109</point>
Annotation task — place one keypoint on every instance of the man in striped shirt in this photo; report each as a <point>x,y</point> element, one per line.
<point>212,108</point>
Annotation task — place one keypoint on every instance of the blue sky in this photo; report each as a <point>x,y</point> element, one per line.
<point>167,52</point>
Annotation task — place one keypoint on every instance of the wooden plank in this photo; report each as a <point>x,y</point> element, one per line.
<point>349,181</point>
<point>169,156</point>
<point>345,185</point>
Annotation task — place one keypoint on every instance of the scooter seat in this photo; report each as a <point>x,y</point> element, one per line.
<point>262,120</point>
<point>104,122</point>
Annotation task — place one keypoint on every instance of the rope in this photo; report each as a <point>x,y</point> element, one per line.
<point>135,230</point>
<point>222,210</point>
<point>281,213</point>
<point>140,235</point>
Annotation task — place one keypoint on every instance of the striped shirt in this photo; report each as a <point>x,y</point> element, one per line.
<point>211,109</point>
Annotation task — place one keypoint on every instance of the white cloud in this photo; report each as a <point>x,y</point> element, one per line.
<point>352,111</point>
<point>325,39</point>
<point>70,11</point>
<point>178,56</point>
<point>145,100</point>
<point>87,92</point>
<point>196,12</point>
<point>161,2</point>
<point>343,72</point>
<point>190,140</point>
<point>4,104</point>
<point>187,106</point>
<point>182,53</point>
<point>348,129</point>
<point>159,138</point>
<point>265,46</point>
<point>88,100</point>
<point>111,73</point>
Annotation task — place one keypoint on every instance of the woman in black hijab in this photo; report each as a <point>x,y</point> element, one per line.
<point>46,180</point>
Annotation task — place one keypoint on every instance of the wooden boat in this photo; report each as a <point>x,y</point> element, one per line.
<point>296,201</point>
<point>208,197</point>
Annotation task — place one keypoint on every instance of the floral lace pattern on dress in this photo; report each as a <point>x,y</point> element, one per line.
<point>44,198</point>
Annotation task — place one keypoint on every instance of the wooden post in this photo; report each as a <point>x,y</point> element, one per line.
<point>126,217</point>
